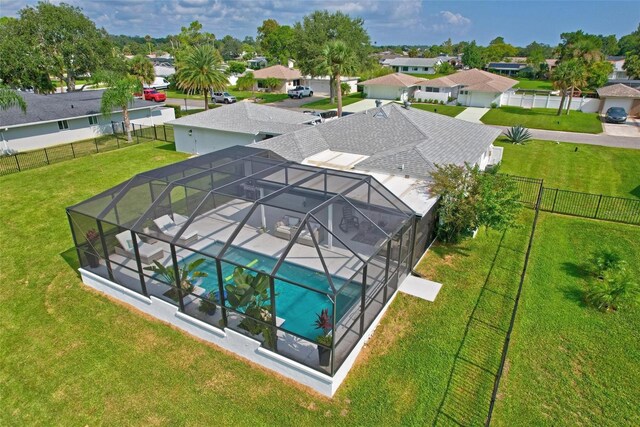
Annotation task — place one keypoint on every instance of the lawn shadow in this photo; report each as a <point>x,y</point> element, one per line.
<point>635,192</point>
<point>70,256</point>
<point>574,294</point>
<point>169,147</point>
<point>443,250</point>
<point>579,271</point>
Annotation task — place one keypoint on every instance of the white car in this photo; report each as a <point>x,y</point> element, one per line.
<point>158,83</point>
<point>300,91</point>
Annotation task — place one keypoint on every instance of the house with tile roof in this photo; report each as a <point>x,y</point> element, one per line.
<point>620,95</point>
<point>391,86</point>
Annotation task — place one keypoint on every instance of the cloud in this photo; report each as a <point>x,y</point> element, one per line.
<point>450,23</point>
<point>455,18</point>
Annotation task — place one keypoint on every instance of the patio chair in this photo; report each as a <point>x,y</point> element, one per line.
<point>348,219</point>
<point>148,252</point>
<point>170,228</point>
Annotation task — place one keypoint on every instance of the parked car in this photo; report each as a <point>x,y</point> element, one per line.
<point>300,91</point>
<point>158,83</point>
<point>616,115</point>
<point>224,97</point>
<point>154,95</point>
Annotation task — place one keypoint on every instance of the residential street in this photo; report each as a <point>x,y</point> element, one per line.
<point>584,138</point>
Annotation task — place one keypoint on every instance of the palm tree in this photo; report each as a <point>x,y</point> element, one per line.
<point>120,95</point>
<point>337,60</point>
<point>10,99</point>
<point>142,68</point>
<point>577,78</point>
<point>200,71</point>
<point>562,78</point>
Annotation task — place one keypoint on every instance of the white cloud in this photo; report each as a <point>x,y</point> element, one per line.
<point>455,18</point>
<point>451,23</point>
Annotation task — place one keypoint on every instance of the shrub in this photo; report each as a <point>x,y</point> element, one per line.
<point>518,134</point>
<point>271,83</point>
<point>345,88</point>
<point>494,105</point>
<point>605,261</point>
<point>615,291</point>
<point>246,82</point>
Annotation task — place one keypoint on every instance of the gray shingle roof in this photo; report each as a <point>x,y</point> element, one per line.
<point>414,62</point>
<point>391,136</point>
<point>247,117</point>
<point>59,106</point>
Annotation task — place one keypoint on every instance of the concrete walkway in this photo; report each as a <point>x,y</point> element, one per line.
<point>601,139</point>
<point>472,114</point>
<point>365,104</point>
<point>420,288</point>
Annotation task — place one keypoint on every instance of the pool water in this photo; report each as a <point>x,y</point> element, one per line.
<point>297,305</point>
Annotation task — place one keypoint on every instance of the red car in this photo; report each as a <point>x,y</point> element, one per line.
<point>154,95</point>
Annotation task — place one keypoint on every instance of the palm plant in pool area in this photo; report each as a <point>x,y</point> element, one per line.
<point>323,322</point>
<point>186,274</point>
<point>518,134</point>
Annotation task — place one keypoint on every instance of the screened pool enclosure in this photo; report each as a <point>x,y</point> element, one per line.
<point>298,257</point>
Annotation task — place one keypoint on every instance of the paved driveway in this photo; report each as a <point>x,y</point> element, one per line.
<point>297,103</point>
<point>631,128</point>
<point>472,114</point>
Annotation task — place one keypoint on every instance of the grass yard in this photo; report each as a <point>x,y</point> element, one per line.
<point>239,94</point>
<point>447,110</point>
<point>543,118</point>
<point>325,104</point>
<point>72,354</point>
<point>592,169</point>
<point>533,84</point>
<point>569,364</point>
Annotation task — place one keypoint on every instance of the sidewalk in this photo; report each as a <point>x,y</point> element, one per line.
<point>472,114</point>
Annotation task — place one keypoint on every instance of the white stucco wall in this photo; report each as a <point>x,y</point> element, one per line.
<point>203,141</point>
<point>625,103</point>
<point>387,92</point>
<point>235,342</point>
<point>42,135</point>
<point>479,99</point>
<point>321,86</point>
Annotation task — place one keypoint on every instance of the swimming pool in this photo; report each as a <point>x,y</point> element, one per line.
<point>296,305</point>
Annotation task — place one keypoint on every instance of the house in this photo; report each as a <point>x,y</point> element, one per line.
<point>507,68</point>
<point>618,72</point>
<point>236,124</point>
<point>620,95</point>
<point>289,77</point>
<point>67,117</point>
<point>392,86</point>
<point>257,63</point>
<point>315,235</point>
<point>414,65</point>
<point>471,88</point>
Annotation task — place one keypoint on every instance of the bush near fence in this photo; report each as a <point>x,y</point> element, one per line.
<point>59,153</point>
<point>575,203</point>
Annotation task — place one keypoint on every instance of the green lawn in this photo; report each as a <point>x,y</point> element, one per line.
<point>72,354</point>
<point>533,84</point>
<point>239,94</point>
<point>447,110</point>
<point>569,364</point>
<point>324,104</point>
<point>543,118</point>
<point>592,169</point>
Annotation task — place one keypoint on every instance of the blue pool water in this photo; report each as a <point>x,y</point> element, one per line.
<point>297,305</point>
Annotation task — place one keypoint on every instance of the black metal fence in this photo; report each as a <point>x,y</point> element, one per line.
<point>59,153</point>
<point>576,203</point>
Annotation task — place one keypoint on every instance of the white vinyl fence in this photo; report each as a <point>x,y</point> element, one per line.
<point>438,96</point>
<point>586,105</point>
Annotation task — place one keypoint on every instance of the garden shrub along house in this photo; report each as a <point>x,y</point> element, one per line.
<point>287,263</point>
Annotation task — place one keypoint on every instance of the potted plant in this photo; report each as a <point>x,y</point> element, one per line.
<point>93,258</point>
<point>207,304</point>
<point>325,338</point>
<point>186,272</point>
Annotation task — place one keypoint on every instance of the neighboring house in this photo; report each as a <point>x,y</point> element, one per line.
<point>507,68</point>
<point>471,88</point>
<point>391,86</point>
<point>620,95</point>
<point>415,65</point>
<point>257,63</point>
<point>289,77</point>
<point>321,84</point>
<point>618,72</point>
<point>384,58</point>
<point>67,117</point>
<point>397,145</point>
<point>236,124</point>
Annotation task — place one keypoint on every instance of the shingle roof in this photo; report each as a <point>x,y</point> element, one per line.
<point>414,62</point>
<point>59,106</point>
<point>392,136</point>
<point>395,79</point>
<point>279,72</point>
<point>618,91</point>
<point>475,80</point>
<point>247,117</point>
<point>507,65</point>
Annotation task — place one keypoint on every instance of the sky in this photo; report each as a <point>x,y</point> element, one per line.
<point>399,22</point>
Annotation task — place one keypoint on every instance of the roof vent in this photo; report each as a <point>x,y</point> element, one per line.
<point>71,105</point>
<point>401,167</point>
<point>378,103</point>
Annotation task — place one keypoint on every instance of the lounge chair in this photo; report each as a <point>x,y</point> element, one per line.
<point>170,228</point>
<point>348,219</point>
<point>148,252</point>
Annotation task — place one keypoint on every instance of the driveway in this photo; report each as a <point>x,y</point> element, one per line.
<point>472,114</point>
<point>631,128</point>
<point>583,138</point>
<point>296,103</point>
